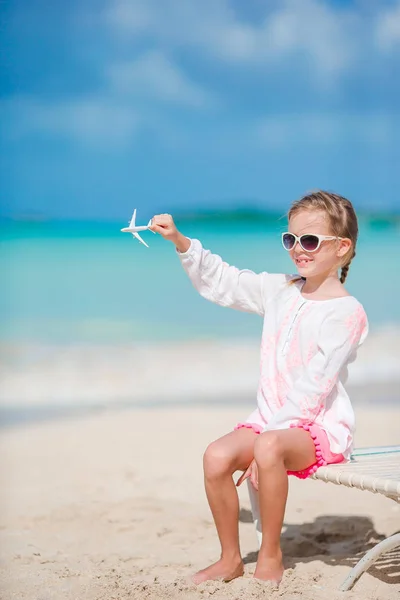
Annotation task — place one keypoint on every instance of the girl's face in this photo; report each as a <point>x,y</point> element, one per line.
<point>327,259</point>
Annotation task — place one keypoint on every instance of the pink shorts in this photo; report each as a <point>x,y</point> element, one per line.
<point>323,453</point>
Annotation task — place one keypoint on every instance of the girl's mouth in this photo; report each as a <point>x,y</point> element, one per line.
<point>303,262</point>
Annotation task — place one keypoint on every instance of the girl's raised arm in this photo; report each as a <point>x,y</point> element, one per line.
<point>214,279</point>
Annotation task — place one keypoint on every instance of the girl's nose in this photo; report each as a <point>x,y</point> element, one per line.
<point>296,248</point>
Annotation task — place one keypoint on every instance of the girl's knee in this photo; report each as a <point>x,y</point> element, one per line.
<point>217,460</point>
<point>268,449</point>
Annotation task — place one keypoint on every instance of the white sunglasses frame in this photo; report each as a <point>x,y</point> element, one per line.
<point>321,238</point>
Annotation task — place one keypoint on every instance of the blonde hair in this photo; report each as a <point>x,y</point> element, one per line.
<point>341,217</point>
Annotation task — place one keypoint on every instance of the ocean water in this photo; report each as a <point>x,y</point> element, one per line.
<point>89,317</point>
<point>87,282</point>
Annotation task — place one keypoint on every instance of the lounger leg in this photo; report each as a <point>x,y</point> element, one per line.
<point>255,509</point>
<point>368,560</point>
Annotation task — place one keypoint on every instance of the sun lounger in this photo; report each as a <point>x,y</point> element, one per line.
<point>375,470</point>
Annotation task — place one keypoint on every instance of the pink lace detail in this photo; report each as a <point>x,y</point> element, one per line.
<point>254,426</point>
<point>274,379</point>
<point>271,378</point>
<point>268,365</point>
<point>294,353</point>
<point>312,350</point>
<point>311,405</point>
<point>286,319</point>
<point>355,323</point>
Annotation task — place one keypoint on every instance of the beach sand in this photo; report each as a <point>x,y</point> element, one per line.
<point>111,506</point>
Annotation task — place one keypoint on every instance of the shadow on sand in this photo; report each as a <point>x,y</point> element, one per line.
<point>334,540</point>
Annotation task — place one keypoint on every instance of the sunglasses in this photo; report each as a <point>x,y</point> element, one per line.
<point>310,242</point>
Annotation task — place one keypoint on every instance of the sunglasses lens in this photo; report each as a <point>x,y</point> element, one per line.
<point>309,242</point>
<point>288,240</point>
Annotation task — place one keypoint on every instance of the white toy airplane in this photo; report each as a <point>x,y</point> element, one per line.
<point>133,229</point>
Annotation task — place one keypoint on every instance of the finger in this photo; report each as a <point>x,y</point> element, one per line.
<point>163,219</point>
<point>243,476</point>
<point>156,229</point>
<point>254,478</point>
<point>241,479</point>
<point>156,220</point>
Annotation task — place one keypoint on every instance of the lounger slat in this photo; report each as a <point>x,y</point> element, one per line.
<point>379,474</point>
<point>375,450</point>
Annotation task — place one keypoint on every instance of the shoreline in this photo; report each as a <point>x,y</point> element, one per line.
<point>385,395</point>
<point>170,372</point>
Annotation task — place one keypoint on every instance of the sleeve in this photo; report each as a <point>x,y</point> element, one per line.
<point>339,340</point>
<point>226,285</point>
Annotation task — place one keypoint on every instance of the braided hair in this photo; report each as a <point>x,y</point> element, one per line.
<point>345,269</point>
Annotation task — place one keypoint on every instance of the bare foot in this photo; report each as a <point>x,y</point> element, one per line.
<point>222,569</point>
<point>269,568</point>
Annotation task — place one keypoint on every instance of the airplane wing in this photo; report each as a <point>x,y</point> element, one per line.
<point>137,236</point>
<point>133,220</point>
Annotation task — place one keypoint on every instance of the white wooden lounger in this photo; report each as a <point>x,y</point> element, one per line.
<point>375,470</point>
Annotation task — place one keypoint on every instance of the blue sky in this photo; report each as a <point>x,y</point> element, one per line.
<point>107,105</point>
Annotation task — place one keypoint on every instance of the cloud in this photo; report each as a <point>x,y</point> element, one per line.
<point>90,121</point>
<point>323,37</point>
<point>310,41</point>
<point>155,77</point>
<point>284,131</point>
<point>128,104</point>
<point>315,30</point>
<point>388,28</point>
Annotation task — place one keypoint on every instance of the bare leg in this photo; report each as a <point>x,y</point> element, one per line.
<point>222,458</point>
<point>276,452</point>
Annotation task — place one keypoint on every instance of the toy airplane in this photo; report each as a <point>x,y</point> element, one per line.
<point>133,229</point>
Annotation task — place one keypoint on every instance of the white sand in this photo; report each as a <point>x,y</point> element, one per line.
<point>111,506</point>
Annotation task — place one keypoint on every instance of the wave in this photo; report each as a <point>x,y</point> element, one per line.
<point>192,371</point>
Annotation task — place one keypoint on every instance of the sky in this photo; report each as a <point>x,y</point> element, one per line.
<point>107,105</point>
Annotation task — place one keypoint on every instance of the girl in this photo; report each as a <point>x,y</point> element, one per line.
<point>312,330</point>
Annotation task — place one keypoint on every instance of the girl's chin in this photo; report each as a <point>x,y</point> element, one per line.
<point>303,269</point>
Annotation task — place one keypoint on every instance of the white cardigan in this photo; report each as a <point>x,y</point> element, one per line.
<point>306,344</point>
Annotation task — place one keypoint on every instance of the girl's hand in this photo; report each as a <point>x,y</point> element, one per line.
<point>252,472</point>
<point>165,226</point>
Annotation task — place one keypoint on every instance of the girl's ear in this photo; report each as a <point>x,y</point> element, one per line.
<point>344,246</point>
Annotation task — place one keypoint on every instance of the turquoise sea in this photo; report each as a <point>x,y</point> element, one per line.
<point>90,318</point>
<point>77,282</point>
